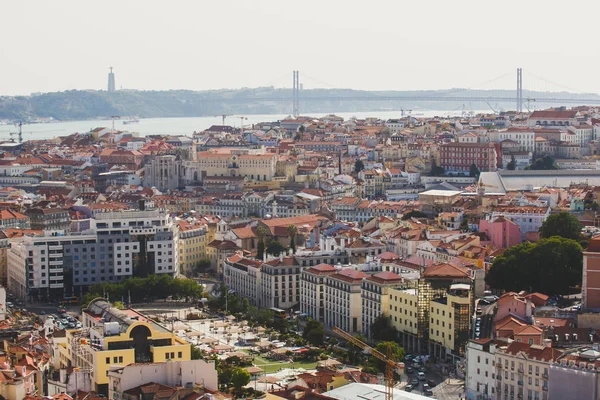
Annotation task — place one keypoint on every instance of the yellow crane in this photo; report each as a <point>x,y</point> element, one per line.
<point>391,365</point>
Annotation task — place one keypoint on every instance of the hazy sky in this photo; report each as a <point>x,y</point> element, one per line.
<point>209,44</point>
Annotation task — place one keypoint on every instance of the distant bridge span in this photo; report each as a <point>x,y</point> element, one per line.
<point>458,99</point>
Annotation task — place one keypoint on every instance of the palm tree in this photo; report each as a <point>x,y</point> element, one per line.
<point>292,231</point>
<point>261,232</point>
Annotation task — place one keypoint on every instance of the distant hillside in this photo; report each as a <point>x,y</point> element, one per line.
<point>89,104</point>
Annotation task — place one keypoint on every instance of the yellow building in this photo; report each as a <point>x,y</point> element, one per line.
<point>403,311</point>
<point>112,337</point>
<point>250,163</point>
<point>192,245</point>
<point>450,321</point>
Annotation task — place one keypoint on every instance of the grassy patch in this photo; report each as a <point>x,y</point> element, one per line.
<point>273,366</point>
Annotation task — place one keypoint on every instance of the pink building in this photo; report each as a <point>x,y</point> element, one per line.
<point>503,233</point>
<point>513,304</point>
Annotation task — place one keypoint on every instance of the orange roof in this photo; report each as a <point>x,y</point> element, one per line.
<point>446,271</point>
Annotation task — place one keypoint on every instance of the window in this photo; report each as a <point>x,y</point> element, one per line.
<point>108,360</point>
<point>120,359</point>
<point>179,354</point>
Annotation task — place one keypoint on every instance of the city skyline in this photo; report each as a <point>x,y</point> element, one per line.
<point>395,47</point>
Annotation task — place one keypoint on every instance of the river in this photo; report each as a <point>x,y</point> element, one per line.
<point>178,126</point>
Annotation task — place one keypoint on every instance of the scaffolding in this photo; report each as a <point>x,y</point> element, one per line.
<point>82,356</point>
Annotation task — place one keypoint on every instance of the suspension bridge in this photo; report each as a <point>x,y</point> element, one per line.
<point>520,98</point>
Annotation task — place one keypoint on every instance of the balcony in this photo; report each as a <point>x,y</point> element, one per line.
<point>545,388</point>
<point>520,383</point>
<point>521,370</point>
<point>545,375</point>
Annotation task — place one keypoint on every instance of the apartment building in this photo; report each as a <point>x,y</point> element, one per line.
<point>522,370</point>
<point>436,300</point>
<point>480,377</point>
<point>554,119</point>
<point>243,275</point>
<point>575,374</point>
<point>458,157</point>
<point>590,286</point>
<point>13,219</point>
<point>404,314</point>
<point>49,219</point>
<point>375,297</point>
<point>450,322</point>
<point>312,290</point>
<point>192,245</point>
<point>36,265</point>
<point>528,218</point>
<point>112,337</point>
<point>524,137</point>
<point>343,300</point>
<point>184,374</point>
<point>280,282</point>
<point>110,251</point>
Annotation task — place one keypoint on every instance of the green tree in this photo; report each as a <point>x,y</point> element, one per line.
<point>551,266</point>
<point>314,333</point>
<point>413,214</point>
<point>435,170</point>
<point>464,224</point>
<point>355,353</point>
<point>358,166</point>
<point>391,350</point>
<point>275,248</point>
<point>382,329</point>
<point>562,224</point>
<point>512,164</point>
<point>196,353</point>
<point>261,232</point>
<point>201,266</point>
<point>474,171</point>
<point>118,305</point>
<point>292,232</point>
<point>544,163</point>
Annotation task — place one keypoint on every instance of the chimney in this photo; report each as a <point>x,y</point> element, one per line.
<point>281,257</point>
<point>548,343</point>
<point>528,312</point>
<point>264,256</point>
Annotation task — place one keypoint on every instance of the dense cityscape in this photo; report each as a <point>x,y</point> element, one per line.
<point>316,258</point>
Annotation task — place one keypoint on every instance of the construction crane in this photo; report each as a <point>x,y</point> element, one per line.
<point>223,116</point>
<point>18,134</point>
<point>529,100</point>
<point>242,123</point>
<point>391,365</point>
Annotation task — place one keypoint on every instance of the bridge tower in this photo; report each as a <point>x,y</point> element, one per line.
<point>296,94</point>
<point>519,90</point>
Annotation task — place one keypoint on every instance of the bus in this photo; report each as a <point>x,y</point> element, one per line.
<point>279,313</point>
<point>70,300</point>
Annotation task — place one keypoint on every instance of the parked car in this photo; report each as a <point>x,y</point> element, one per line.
<point>410,370</point>
<point>422,369</point>
<point>414,381</point>
<point>421,375</point>
<point>431,383</point>
<point>409,387</point>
